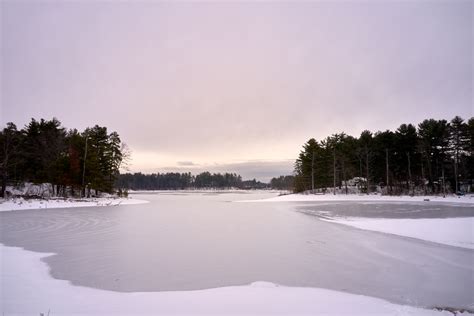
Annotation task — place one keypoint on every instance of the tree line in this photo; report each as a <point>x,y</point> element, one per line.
<point>180,181</point>
<point>73,162</point>
<point>282,183</point>
<point>434,157</point>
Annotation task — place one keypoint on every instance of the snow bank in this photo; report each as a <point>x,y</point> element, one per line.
<point>449,231</point>
<point>28,188</point>
<point>469,199</point>
<point>457,232</point>
<point>30,204</point>
<point>27,288</point>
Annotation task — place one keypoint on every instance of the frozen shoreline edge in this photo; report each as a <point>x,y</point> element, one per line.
<point>37,204</point>
<point>455,232</point>
<point>24,271</point>
<point>295,197</point>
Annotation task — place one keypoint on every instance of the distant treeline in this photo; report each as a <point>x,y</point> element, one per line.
<point>179,181</point>
<point>282,183</point>
<point>73,162</point>
<point>434,157</point>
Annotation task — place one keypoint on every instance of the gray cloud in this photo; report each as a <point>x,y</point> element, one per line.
<point>186,163</point>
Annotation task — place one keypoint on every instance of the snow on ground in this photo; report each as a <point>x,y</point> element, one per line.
<point>27,288</point>
<point>449,231</point>
<point>30,204</point>
<point>457,231</point>
<point>469,199</point>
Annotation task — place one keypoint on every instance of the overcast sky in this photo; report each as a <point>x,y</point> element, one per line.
<point>234,86</point>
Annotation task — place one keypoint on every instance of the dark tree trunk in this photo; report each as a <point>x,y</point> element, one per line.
<point>334,172</point>
<point>367,168</point>
<point>409,174</point>
<point>4,185</point>
<point>387,170</point>
<point>344,176</point>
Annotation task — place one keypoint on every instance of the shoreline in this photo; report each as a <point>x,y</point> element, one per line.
<point>298,197</point>
<point>17,204</point>
<point>455,232</point>
<point>24,270</point>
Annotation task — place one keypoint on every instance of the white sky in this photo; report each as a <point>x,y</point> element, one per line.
<point>234,86</point>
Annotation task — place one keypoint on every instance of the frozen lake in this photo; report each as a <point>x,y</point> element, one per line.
<point>183,241</point>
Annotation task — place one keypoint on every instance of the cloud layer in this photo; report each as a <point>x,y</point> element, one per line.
<point>220,82</point>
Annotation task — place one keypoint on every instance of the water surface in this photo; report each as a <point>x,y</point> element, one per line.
<point>184,241</point>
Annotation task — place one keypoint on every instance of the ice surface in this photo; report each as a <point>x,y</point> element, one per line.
<point>173,239</point>
<point>28,289</point>
<point>364,197</point>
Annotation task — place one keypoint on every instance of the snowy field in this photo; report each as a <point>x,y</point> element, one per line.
<point>28,289</point>
<point>31,204</point>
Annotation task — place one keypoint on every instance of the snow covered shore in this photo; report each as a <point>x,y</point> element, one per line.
<point>22,204</point>
<point>469,199</point>
<point>27,288</point>
<point>457,231</point>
